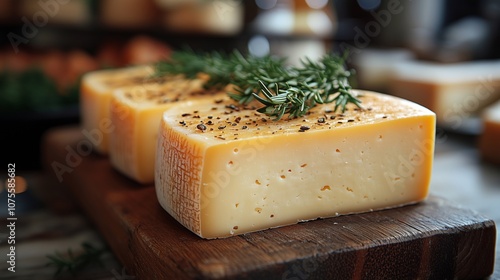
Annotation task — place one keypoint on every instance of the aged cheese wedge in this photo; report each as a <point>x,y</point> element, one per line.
<point>454,91</point>
<point>490,135</point>
<point>136,112</point>
<point>232,170</point>
<point>95,98</point>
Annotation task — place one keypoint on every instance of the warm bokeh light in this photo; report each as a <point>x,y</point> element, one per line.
<point>317,4</point>
<point>21,185</point>
<point>319,23</point>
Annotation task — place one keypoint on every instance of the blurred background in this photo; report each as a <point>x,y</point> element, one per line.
<point>443,54</point>
<point>45,46</point>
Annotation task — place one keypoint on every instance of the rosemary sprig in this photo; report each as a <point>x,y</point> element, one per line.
<point>281,89</point>
<point>223,69</point>
<point>324,81</point>
<point>73,263</point>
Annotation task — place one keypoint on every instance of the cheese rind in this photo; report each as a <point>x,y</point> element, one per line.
<point>136,112</point>
<point>246,173</point>
<point>95,98</point>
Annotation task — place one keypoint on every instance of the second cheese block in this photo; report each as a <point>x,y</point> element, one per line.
<point>232,170</point>
<point>95,98</point>
<point>136,112</point>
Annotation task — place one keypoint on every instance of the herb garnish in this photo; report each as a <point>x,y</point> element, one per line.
<point>281,89</point>
<point>74,263</point>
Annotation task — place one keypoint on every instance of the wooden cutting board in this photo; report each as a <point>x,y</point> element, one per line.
<point>430,240</point>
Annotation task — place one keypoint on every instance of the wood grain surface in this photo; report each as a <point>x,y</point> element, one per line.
<point>434,239</point>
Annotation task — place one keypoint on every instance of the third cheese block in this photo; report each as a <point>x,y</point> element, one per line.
<point>136,112</point>
<point>95,98</point>
<point>232,170</point>
<point>374,67</point>
<point>454,91</point>
<point>490,136</point>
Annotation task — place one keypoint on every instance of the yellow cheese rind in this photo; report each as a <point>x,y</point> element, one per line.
<point>95,98</point>
<point>184,202</point>
<point>246,173</point>
<point>136,113</point>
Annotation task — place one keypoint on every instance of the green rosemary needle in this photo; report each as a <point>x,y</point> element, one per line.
<point>281,89</point>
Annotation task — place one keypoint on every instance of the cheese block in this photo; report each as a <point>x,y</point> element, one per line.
<point>490,135</point>
<point>136,112</point>
<point>95,97</point>
<point>454,91</point>
<point>231,170</point>
<point>375,67</point>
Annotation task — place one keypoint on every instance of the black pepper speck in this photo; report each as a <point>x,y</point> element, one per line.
<point>303,128</point>
<point>201,127</point>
